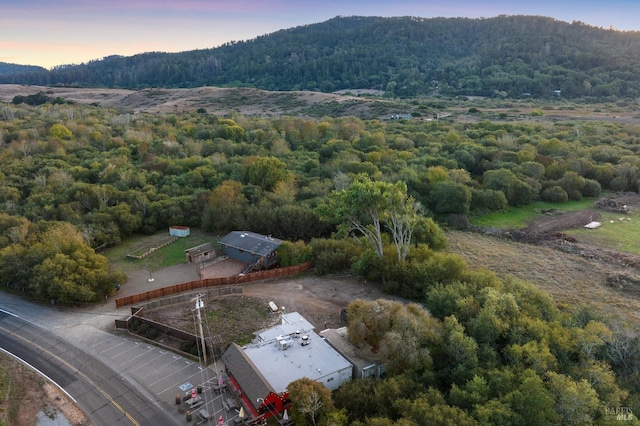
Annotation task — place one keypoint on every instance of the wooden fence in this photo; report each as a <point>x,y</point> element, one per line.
<point>212,282</point>
<point>213,346</point>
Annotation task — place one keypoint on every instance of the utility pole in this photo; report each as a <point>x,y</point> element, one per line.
<point>200,304</point>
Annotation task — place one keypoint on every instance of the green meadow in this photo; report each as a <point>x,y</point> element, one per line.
<point>618,231</point>
<point>171,254</point>
<point>520,217</point>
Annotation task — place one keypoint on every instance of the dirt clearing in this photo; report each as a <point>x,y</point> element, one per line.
<point>235,318</point>
<point>27,396</point>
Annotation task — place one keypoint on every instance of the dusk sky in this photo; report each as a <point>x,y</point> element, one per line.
<point>59,32</point>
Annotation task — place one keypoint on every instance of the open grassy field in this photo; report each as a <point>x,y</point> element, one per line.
<point>581,271</point>
<point>168,255</point>
<point>618,232</point>
<point>570,279</point>
<point>521,217</point>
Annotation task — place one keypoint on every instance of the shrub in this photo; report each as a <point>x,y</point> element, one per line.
<point>37,99</point>
<point>413,277</point>
<point>60,131</point>
<point>443,267</point>
<point>142,328</point>
<point>592,188</point>
<point>370,266</point>
<point>190,347</point>
<point>331,256</point>
<point>554,194</point>
<point>405,279</point>
<point>290,254</point>
<point>428,232</point>
<point>488,200</point>
<point>575,195</point>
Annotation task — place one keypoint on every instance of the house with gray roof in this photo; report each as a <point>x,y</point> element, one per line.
<point>256,250</point>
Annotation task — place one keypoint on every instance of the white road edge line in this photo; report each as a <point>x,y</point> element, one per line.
<point>40,373</point>
<point>9,313</point>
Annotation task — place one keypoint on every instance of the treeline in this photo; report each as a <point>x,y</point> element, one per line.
<point>37,99</point>
<point>6,68</point>
<point>515,56</point>
<point>51,260</point>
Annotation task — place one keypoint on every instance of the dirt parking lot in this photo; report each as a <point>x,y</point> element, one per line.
<point>236,317</point>
<point>318,299</point>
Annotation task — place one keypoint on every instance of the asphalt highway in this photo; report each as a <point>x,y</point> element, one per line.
<point>103,394</point>
<point>115,378</point>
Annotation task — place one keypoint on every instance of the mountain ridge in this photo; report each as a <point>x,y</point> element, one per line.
<point>505,56</point>
<point>9,68</point>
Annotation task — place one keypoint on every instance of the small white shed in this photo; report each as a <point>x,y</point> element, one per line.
<point>179,231</point>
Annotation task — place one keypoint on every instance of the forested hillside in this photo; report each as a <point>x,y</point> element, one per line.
<point>515,56</point>
<point>6,68</point>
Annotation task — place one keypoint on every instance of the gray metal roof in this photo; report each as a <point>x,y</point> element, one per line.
<point>202,248</point>
<point>269,366</point>
<point>360,356</point>
<point>253,384</point>
<point>251,242</point>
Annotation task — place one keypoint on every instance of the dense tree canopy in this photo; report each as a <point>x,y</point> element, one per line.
<point>502,354</point>
<point>112,174</point>
<point>51,260</point>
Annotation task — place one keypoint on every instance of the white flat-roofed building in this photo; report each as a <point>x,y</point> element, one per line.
<point>281,355</point>
<point>285,360</point>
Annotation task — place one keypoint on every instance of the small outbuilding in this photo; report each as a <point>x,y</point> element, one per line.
<point>365,362</point>
<point>201,253</point>
<point>179,231</point>
<point>251,248</point>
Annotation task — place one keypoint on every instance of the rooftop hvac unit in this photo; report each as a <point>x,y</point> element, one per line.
<point>305,340</point>
<point>283,344</point>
